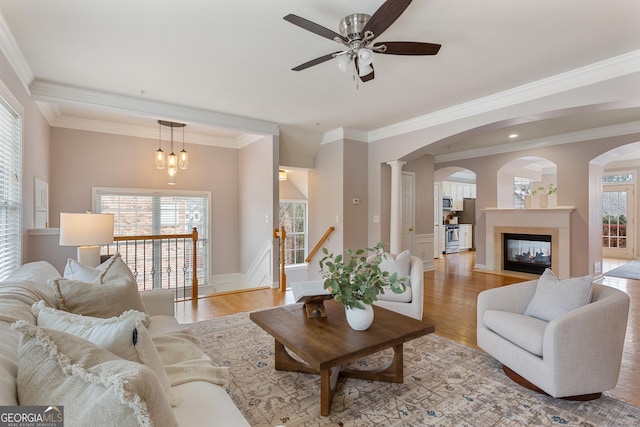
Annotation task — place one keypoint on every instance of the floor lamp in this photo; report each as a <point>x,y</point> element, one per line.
<point>87,231</point>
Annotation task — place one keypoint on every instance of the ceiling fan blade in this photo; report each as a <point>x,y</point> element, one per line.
<point>408,48</point>
<point>313,27</point>
<point>385,16</point>
<point>316,61</point>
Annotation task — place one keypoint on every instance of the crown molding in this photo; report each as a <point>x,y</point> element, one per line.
<point>345,133</point>
<point>565,138</point>
<point>14,55</point>
<point>618,66</point>
<point>46,91</point>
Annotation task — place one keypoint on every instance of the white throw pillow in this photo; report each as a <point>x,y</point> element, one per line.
<point>400,263</point>
<point>554,297</point>
<point>125,336</point>
<point>111,293</point>
<point>73,270</point>
<point>95,386</point>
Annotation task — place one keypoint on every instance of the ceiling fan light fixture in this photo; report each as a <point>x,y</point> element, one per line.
<point>364,70</point>
<point>365,56</point>
<point>343,61</point>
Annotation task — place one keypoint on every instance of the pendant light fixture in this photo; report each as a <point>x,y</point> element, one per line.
<point>184,156</point>
<point>159,152</point>
<point>172,160</point>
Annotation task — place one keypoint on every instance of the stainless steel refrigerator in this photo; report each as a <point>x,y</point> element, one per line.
<point>468,216</point>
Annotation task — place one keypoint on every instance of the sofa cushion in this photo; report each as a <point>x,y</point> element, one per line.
<point>9,341</point>
<point>113,291</point>
<point>24,287</point>
<point>554,297</point>
<point>524,331</point>
<point>94,386</point>
<point>125,336</point>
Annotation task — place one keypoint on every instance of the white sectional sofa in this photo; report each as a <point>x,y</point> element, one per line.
<point>192,403</point>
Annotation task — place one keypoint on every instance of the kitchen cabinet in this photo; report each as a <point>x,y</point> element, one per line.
<point>459,191</point>
<point>466,236</point>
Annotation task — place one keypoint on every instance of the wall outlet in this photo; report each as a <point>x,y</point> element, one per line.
<point>376,219</point>
<point>597,267</point>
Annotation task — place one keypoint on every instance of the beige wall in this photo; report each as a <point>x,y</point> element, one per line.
<point>81,160</point>
<point>326,200</point>
<point>355,186</point>
<point>256,197</point>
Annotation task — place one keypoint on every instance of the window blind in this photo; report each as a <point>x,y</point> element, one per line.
<point>10,188</point>
<point>144,212</point>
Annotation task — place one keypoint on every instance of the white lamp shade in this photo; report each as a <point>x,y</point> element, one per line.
<point>86,229</point>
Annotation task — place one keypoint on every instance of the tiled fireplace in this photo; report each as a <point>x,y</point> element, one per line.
<point>553,224</point>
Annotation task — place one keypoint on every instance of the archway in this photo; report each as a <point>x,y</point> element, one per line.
<point>522,178</point>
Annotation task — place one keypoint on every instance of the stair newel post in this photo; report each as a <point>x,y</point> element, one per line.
<point>282,235</point>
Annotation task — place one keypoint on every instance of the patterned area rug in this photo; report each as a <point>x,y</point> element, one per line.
<point>630,270</point>
<point>445,384</point>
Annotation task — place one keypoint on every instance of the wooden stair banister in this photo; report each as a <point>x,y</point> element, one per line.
<point>316,248</point>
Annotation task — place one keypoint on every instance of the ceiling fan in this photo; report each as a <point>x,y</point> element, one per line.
<point>357,34</point>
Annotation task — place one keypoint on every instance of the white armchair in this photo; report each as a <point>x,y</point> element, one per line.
<point>575,355</point>
<point>411,302</point>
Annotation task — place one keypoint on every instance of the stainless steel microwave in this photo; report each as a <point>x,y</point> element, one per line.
<point>447,202</point>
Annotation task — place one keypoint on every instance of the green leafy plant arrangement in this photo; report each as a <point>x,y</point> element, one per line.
<point>356,279</point>
<point>549,189</point>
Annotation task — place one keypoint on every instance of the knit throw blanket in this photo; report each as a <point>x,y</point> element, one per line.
<point>185,362</point>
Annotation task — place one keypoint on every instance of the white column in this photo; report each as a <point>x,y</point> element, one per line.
<point>395,235</point>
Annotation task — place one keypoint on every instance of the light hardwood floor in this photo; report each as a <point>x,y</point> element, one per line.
<point>450,303</point>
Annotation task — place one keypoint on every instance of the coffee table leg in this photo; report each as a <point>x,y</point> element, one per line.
<point>328,381</point>
<point>284,362</point>
<point>392,373</point>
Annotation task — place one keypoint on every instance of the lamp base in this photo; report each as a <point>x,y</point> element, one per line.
<point>89,255</point>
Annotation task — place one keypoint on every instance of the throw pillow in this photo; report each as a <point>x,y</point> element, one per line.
<point>399,263</point>
<point>75,271</point>
<point>554,297</point>
<point>111,293</point>
<point>125,336</point>
<point>94,386</point>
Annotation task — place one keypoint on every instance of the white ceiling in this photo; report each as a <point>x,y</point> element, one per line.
<point>224,67</point>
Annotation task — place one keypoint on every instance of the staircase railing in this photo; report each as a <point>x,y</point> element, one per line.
<point>317,247</point>
<point>163,261</point>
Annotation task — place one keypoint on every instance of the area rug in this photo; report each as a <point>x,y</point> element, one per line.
<point>630,270</point>
<point>445,384</point>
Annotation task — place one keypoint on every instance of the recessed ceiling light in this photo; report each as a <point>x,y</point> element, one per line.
<point>513,135</point>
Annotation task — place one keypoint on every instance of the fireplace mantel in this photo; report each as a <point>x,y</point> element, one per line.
<point>552,221</point>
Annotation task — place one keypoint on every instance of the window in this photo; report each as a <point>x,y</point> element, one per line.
<point>10,188</point>
<point>293,217</point>
<point>617,178</point>
<point>147,212</point>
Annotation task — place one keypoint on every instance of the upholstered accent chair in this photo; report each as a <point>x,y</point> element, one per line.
<point>411,301</point>
<point>575,355</point>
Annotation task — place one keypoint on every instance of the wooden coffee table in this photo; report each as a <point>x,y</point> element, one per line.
<point>327,343</point>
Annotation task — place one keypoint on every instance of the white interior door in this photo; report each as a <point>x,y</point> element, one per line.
<point>408,210</point>
<point>617,221</point>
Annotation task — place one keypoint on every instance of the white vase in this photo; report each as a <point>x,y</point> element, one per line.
<point>359,318</point>
<point>544,201</point>
<point>527,202</point>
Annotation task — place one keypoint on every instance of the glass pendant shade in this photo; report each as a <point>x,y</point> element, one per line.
<point>172,163</point>
<point>159,159</point>
<point>171,177</point>
<point>343,62</point>
<point>184,159</point>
